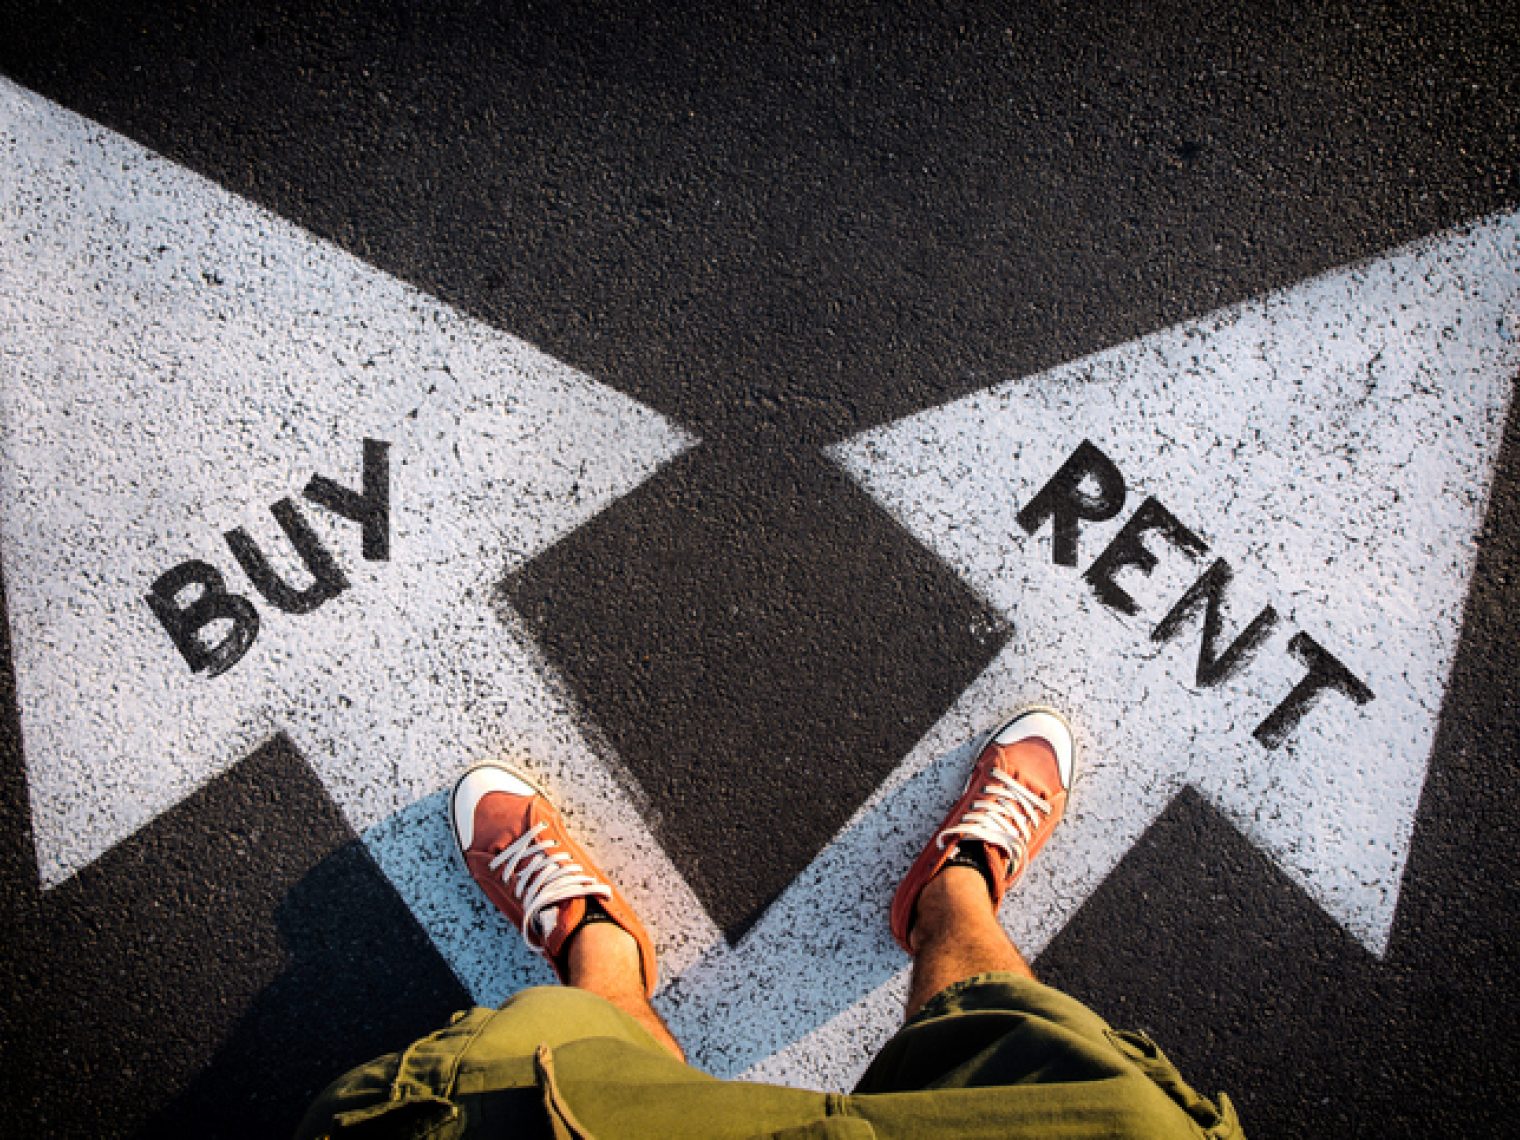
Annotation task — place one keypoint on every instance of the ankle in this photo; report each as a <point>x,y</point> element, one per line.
<point>955,900</point>
<point>603,957</point>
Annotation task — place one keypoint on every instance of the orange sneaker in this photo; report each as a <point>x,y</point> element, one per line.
<point>1012,801</point>
<point>515,846</point>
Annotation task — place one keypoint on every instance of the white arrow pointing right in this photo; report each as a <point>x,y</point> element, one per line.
<point>1333,444</point>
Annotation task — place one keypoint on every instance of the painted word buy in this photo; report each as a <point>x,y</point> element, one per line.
<point>1089,488</point>
<point>189,621</point>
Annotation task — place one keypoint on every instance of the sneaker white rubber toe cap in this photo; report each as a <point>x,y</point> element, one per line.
<point>1049,726</point>
<point>473,787</point>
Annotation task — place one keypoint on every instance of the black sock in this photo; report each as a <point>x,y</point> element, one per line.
<point>973,853</point>
<point>595,912</point>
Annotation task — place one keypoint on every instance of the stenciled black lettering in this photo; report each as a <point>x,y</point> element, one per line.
<point>1208,593</point>
<point>371,508</point>
<point>327,580</point>
<point>187,622</point>
<point>1066,504</point>
<point>1127,551</point>
<point>1326,673</point>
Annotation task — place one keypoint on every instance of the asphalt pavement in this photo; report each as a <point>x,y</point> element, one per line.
<point>796,318</point>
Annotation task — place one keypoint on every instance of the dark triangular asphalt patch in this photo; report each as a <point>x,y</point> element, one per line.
<point>761,668</point>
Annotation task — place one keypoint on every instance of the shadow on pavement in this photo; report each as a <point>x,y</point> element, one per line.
<point>361,979</point>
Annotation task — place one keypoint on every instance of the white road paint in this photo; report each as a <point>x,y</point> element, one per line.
<point>173,361</point>
<point>1335,442</point>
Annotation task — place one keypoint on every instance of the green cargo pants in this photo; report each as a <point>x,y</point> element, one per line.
<point>994,1056</point>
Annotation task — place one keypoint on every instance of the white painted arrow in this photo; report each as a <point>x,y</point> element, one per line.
<point>1334,443</point>
<point>175,361</point>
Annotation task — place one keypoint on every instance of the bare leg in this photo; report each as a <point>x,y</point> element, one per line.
<point>603,959</point>
<point>956,936</point>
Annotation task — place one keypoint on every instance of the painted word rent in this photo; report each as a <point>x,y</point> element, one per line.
<point>1090,488</point>
<point>213,628</point>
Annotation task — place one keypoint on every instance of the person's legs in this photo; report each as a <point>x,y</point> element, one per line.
<point>517,849</point>
<point>945,911</point>
<point>977,1020</point>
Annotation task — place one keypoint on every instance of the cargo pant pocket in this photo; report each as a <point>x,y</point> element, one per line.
<point>1217,1120</point>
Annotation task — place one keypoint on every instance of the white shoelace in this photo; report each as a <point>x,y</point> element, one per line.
<point>545,878</point>
<point>1008,817</point>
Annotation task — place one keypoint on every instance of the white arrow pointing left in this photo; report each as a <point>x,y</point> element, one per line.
<point>175,361</point>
